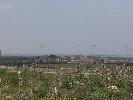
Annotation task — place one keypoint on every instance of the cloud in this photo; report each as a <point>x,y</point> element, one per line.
<point>5,7</point>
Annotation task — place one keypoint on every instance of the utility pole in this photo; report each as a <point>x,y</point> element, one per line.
<point>92,51</point>
<point>0,57</point>
<point>127,52</point>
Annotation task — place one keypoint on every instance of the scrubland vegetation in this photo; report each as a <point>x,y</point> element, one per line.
<point>80,81</point>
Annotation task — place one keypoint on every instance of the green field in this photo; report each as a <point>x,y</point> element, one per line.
<point>79,81</point>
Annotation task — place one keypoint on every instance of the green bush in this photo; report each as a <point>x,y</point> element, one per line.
<point>44,91</point>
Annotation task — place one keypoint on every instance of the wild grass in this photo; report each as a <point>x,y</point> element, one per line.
<point>81,81</point>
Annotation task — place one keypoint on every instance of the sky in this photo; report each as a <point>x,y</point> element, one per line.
<point>66,27</point>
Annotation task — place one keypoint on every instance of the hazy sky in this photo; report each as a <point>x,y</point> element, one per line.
<point>57,26</point>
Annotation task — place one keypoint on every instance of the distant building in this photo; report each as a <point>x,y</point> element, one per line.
<point>52,56</point>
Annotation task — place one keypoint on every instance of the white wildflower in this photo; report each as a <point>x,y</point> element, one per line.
<point>19,72</point>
